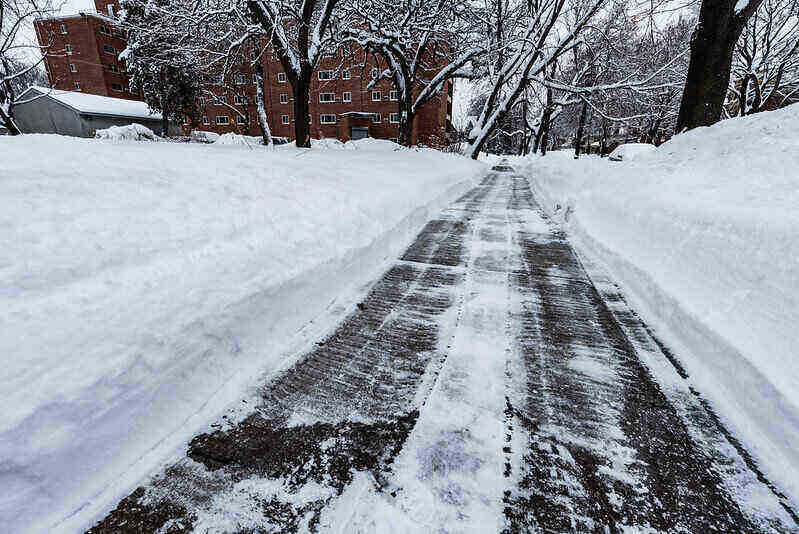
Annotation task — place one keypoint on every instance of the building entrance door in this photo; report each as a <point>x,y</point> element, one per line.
<point>359,132</point>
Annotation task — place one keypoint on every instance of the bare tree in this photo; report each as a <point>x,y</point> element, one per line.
<point>524,39</point>
<point>422,43</point>
<point>213,42</point>
<point>299,32</point>
<point>16,53</point>
<point>765,71</point>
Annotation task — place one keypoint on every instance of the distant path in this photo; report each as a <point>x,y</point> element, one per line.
<point>491,381</point>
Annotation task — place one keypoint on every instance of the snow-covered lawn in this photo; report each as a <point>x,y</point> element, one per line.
<point>704,235</point>
<point>144,286</point>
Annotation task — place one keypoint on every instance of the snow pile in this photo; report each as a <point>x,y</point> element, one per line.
<point>370,143</point>
<point>704,234</point>
<point>201,136</point>
<point>630,151</point>
<point>143,286</point>
<point>234,139</point>
<point>129,132</point>
<point>327,143</point>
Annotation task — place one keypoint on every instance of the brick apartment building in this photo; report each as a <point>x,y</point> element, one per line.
<point>84,57</point>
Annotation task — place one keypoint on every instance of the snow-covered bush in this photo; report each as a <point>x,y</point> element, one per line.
<point>200,136</point>
<point>234,139</point>
<point>630,151</point>
<point>130,132</point>
<point>373,144</point>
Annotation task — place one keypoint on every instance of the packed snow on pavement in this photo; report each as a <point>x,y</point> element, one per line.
<point>144,286</point>
<point>703,235</point>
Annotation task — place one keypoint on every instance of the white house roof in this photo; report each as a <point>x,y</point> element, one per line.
<point>86,104</point>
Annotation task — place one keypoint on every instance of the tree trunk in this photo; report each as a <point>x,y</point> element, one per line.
<point>545,139</point>
<point>654,133</point>
<point>164,105</point>
<point>546,123</point>
<point>263,123</point>
<point>6,100</point>
<point>7,120</point>
<point>301,90</point>
<point>405,128</point>
<point>524,144</point>
<point>164,123</point>
<point>578,140</point>
<point>546,120</point>
<point>603,145</point>
<point>712,47</point>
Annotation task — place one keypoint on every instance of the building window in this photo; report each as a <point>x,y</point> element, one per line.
<point>284,119</point>
<point>375,96</point>
<point>104,29</point>
<point>281,77</point>
<point>330,53</point>
<point>345,74</point>
<point>113,68</point>
<point>108,49</point>
<point>185,120</point>
<point>205,119</point>
<point>284,98</point>
<point>64,29</point>
<point>377,117</point>
<point>68,48</point>
<point>239,120</point>
<point>116,87</point>
<point>347,96</point>
<point>310,118</point>
<point>110,8</point>
<point>77,86</point>
<point>326,118</point>
<point>394,117</point>
<point>238,100</point>
<point>375,72</point>
<point>327,97</point>
<point>222,119</point>
<point>325,75</point>
<point>239,79</point>
<point>393,95</point>
<point>73,68</point>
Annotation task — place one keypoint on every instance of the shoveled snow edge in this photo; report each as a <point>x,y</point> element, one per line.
<point>309,314</point>
<point>741,406</point>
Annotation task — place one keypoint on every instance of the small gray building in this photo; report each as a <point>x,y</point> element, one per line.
<point>43,110</point>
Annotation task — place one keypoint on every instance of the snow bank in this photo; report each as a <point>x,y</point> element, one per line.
<point>704,234</point>
<point>144,286</point>
<point>129,132</point>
